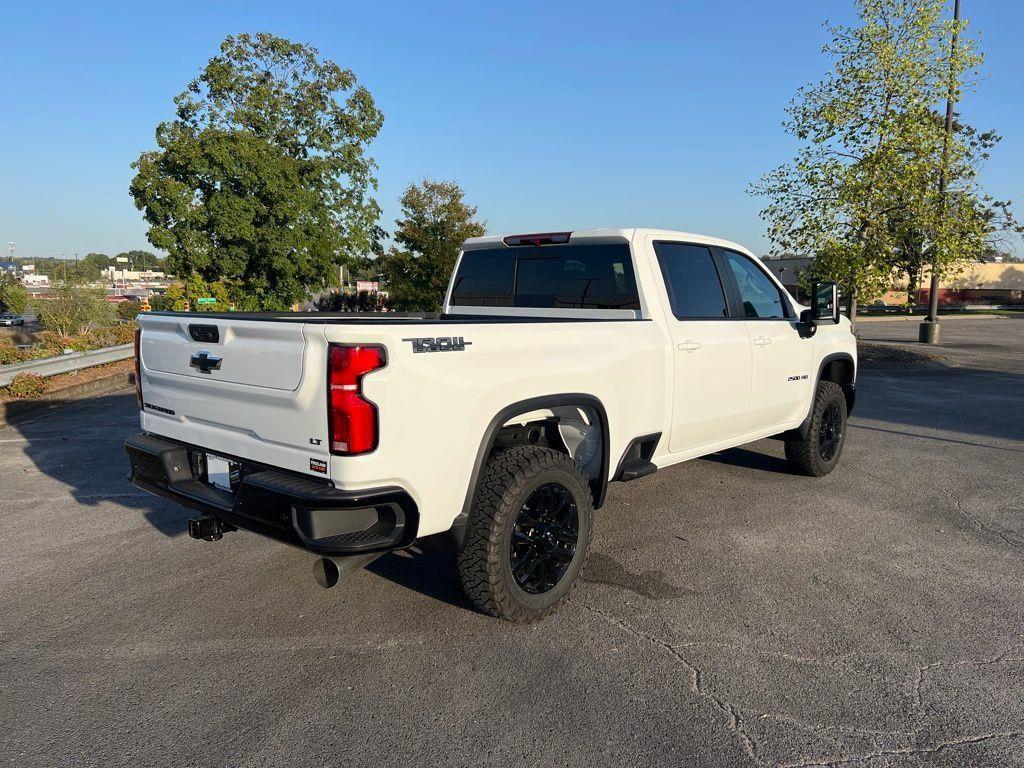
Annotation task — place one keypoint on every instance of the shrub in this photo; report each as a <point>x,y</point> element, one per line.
<point>80,342</point>
<point>50,344</point>
<point>74,307</point>
<point>25,385</point>
<point>127,310</point>
<point>10,354</point>
<point>125,333</point>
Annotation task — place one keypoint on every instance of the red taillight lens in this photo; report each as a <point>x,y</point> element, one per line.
<point>352,419</point>
<point>138,368</point>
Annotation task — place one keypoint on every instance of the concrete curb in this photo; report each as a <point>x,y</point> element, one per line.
<point>942,318</point>
<point>18,410</point>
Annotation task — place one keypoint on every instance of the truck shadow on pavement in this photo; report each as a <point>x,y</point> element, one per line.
<point>428,567</point>
<point>80,445</point>
<point>744,457</point>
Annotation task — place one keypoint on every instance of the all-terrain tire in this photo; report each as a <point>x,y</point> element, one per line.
<point>808,455</point>
<point>484,562</point>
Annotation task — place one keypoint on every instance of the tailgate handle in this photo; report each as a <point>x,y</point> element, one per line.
<point>206,334</point>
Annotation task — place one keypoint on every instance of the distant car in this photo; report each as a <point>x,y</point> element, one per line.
<point>9,319</point>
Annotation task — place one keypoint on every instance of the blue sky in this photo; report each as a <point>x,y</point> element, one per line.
<point>551,115</point>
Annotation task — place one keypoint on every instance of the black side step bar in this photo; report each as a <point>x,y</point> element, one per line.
<point>636,461</point>
<point>636,468</point>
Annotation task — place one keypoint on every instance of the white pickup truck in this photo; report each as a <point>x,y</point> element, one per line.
<point>561,362</point>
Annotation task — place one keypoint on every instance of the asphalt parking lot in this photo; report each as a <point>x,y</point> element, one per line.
<point>731,613</point>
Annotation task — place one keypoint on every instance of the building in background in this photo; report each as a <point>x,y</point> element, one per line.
<point>787,269</point>
<point>33,280</point>
<point>119,275</point>
<point>994,282</point>
<point>997,282</point>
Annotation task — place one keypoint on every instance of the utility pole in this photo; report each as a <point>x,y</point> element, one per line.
<point>929,332</point>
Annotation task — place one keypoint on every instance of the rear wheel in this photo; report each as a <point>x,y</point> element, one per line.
<point>818,453</point>
<point>528,534</point>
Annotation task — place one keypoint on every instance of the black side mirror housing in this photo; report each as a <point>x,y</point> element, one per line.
<point>807,326</point>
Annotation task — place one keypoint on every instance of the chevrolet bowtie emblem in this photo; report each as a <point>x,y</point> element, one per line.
<point>205,362</point>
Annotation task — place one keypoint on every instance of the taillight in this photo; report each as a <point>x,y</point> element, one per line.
<point>352,419</point>
<point>138,368</point>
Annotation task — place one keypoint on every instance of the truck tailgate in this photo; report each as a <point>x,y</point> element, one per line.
<point>261,354</point>
<point>244,388</point>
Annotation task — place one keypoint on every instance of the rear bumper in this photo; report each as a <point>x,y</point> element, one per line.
<point>298,510</point>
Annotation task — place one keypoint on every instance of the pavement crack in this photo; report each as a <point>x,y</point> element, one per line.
<point>905,751</point>
<point>734,717</point>
<point>923,669</point>
<point>846,729</point>
<point>955,497</point>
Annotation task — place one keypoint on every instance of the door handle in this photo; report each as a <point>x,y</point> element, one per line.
<point>762,340</point>
<point>688,346</point>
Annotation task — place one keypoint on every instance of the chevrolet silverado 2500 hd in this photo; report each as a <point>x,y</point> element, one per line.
<point>561,362</point>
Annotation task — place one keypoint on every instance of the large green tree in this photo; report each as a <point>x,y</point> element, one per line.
<point>187,294</point>
<point>871,148</point>
<point>435,221</point>
<point>93,264</point>
<point>964,224</point>
<point>263,178</point>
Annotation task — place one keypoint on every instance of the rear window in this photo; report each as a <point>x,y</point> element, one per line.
<point>570,276</point>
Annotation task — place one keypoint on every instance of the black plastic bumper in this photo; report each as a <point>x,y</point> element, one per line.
<point>286,506</point>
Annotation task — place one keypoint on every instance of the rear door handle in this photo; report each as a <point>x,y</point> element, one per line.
<point>689,345</point>
<point>762,340</point>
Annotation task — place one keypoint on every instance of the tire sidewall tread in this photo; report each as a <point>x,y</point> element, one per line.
<point>802,453</point>
<point>483,562</point>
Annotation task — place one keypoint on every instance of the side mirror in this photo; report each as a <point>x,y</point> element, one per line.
<point>825,302</point>
<point>807,326</point>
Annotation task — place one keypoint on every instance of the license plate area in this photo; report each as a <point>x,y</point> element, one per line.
<point>222,473</point>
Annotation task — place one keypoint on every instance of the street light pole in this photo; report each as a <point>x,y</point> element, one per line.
<point>929,331</point>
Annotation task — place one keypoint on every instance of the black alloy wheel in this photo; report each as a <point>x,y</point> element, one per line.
<point>830,432</point>
<point>544,538</point>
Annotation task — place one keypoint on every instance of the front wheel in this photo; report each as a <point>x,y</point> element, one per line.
<point>528,534</point>
<point>818,453</point>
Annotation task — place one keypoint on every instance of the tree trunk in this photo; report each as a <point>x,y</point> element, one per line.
<point>851,306</point>
<point>913,281</point>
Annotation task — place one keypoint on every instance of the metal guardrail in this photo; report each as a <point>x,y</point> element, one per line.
<point>75,361</point>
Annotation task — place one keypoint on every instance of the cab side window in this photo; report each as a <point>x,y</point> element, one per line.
<point>761,298</point>
<point>692,281</point>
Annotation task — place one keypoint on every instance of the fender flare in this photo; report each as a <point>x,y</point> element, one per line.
<point>845,357</point>
<point>598,487</point>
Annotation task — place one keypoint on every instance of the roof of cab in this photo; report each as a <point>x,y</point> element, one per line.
<point>612,235</point>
